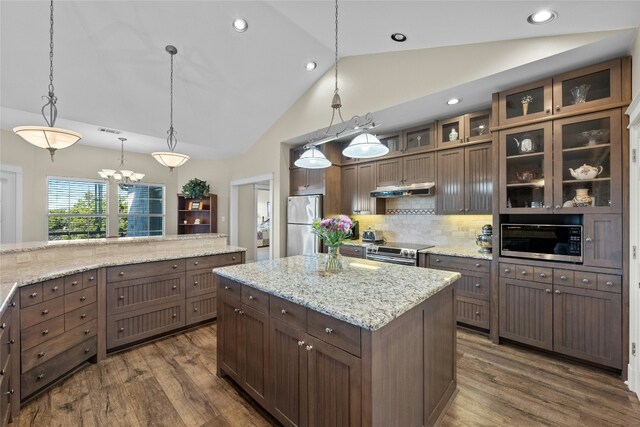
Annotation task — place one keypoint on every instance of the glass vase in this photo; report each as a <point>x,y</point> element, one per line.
<point>334,260</point>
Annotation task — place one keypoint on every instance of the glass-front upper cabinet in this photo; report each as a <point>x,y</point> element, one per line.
<point>477,126</point>
<point>526,169</point>
<point>532,101</point>
<point>420,138</point>
<point>586,88</point>
<point>587,163</point>
<point>451,131</point>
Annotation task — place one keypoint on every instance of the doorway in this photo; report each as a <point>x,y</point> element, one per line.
<point>263,221</point>
<point>10,204</point>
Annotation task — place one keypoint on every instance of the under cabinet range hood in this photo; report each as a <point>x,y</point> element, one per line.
<point>422,189</point>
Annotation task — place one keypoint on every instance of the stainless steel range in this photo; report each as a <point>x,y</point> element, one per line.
<point>395,253</point>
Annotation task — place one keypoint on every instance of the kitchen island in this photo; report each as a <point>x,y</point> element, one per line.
<point>373,345</point>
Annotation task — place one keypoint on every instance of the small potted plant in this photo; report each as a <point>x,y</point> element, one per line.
<point>333,232</point>
<point>195,189</point>
<point>526,100</point>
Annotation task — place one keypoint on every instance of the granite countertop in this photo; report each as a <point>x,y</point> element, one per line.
<point>366,293</point>
<point>31,246</point>
<point>70,266</point>
<point>461,251</point>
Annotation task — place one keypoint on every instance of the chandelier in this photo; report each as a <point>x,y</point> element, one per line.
<point>363,146</point>
<point>123,175</point>
<point>170,158</point>
<point>49,137</point>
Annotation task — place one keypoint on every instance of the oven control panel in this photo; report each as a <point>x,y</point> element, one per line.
<point>395,252</point>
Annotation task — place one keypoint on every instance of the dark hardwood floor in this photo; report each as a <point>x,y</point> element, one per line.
<point>172,382</point>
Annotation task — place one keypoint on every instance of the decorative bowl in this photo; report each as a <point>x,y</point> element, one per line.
<point>526,175</point>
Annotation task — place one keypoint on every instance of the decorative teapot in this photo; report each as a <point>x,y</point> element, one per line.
<point>526,145</point>
<point>586,172</point>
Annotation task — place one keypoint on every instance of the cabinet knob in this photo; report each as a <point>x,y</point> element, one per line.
<point>226,287</point>
<point>283,311</point>
<point>33,295</point>
<point>588,239</point>
<point>251,297</point>
<point>74,283</point>
<point>13,304</point>
<point>563,277</point>
<point>558,207</point>
<point>585,281</point>
<point>121,297</point>
<point>45,332</point>
<point>507,270</point>
<point>83,315</point>
<point>547,206</point>
<point>175,266</point>
<point>11,341</point>
<point>3,326</point>
<point>477,285</point>
<point>83,298</point>
<point>543,275</point>
<point>236,310</point>
<point>477,264</point>
<point>121,329</point>
<point>121,273</point>
<point>609,284</point>
<point>460,210</point>
<point>174,287</point>
<point>45,312</point>
<point>2,372</point>
<point>437,259</point>
<point>300,343</point>
<point>548,291</point>
<point>195,283</point>
<point>557,292</point>
<point>477,313</point>
<point>10,392</point>
<point>328,330</point>
<point>40,377</point>
<point>55,288</point>
<point>548,111</point>
<point>91,278</point>
<point>41,354</point>
<point>86,331</point>
<point>195,263</point>
<point>174,315</point>
<point>309,347</point>
<point>557,108</point>
<point>233,258</point>
<point>195,309</point>
<point>241,312</point>
<point>87,350</point>
<point>523,272</point>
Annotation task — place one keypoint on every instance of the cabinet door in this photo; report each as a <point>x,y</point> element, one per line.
<point>349,190</point>
<point>419,168</point>
<point>297,181</point>
<point>593,140</point>
<point>366,184</point>
<point>526,312</point>
<point>421,138</point>
<point>334,385</point>
<point>602,240</point>
<point>526,169</point>
<point>450,187</point>
<point>524,103</point>
<point>478,176</point>
<point>586,88</point>
<point>229,323</point>
<point>587,324</point>
<point>476,126</point>
<point>255,354</point>
<point>389,172</point>
<point>315,181</point>
<point>451,132</point>
<point>288,373</point>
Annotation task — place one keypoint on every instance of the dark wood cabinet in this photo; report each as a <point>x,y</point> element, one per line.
<point>229,342</point>
<point>478,179</point>
<point>528,102</point>
<point>420,138</point>
<point>9,365</point>
<point>254,353</point>
<point>389,172</point>
<point>349,189</point>
<point>358,181</point>
<point>197,216</point>
<point>451,132</point>
<point>476,126</point>
<point>587,325</point>
<point>406,170</point>
<point>450,187</point>
<point>602,242</point>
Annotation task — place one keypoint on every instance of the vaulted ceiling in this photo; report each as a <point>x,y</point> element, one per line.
<point>111,69</point>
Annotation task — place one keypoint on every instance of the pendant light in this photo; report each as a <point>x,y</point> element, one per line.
<point>312,158</point>
<point>170,158</point>
<point>49,137</point>
<point>123,175</point>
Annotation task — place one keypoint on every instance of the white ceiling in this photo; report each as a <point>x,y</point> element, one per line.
<point>111,68</point>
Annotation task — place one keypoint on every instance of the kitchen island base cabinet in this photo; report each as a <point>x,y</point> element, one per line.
<point>401,374</point>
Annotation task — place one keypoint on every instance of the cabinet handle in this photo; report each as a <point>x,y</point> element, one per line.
<point>524,272</point>
<point>121,297</point>
<point>437,259</point>
<point>13,304</point>
<point>466,210</point>
<point>55,288</point>
<point>477,313</point>
<point>233,258</point>
<point>547,206</point>
<point>283,311</point>
<point>10,392</point>
<point>86,350</point>
<point>33,295</point>
<point>563,277</point>
<point>74,283</point>
<point>2,372</point>
<point>548,291</point>
<point>309,347</point>
<point>477,264</point>
<point>175,266</point>
<point>174,315</point>
<point>300,343</point>
<point>241,312</point>
<point>609,284</point>
<point>121,329</point>
<point>86,331</point>
<point>195,309</point>
<point>83,315</point>
<point>195,283</point>
<point>40,377</point>
<point>557,108</point>
<point>460,210</point>
<point>45,332</point>
<point>477,285</point>
<point>91,278</point>
<point>557,292</point>
<point>195,263</point>
<point>585,281</point>
<point>543,275</point>
<point>174,287</point>
<point>82,298</point>
<point>328,330</point>
<point>4,326</point>
<point>11,341</point>
<point>548,111</point>
<point>121,273</point>
<point>45,312</point>
<point>588,239</point>
<point>236,310</point>
<point>558,207</point>
<point>41,354</point>
<point>506,270</point>
<point>251,297</point>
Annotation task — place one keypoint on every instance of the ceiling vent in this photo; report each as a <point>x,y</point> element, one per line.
<point>112,131</point>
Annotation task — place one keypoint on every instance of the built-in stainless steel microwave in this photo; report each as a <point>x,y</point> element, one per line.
<point>542,241</point>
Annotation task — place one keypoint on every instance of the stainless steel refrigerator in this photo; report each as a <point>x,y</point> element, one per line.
<point>301,212</point>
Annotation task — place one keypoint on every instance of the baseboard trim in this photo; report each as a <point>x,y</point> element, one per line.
<point>633,381</point>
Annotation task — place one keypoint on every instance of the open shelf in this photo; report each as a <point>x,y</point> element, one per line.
<point>208,215</point>
<point>527,155</point>
<point>526,184</point>
<point>578,181</point>
<point>587,147</point>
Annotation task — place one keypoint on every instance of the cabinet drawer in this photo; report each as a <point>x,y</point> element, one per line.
<point>40,312</point>
<point>585,280</point>
<point>129,327</point>
<point>472,311</point>
<point>48,372</point>
<point>508,270</point>
<point>41,332</point>
<point>255,299</point>
<point>543,275</point>
<point>131,295</point>
<point>352,251</point>
<point>30,295</point>
<point>336,332</point>
<point>524,272</point>
<point>200,308</point>
<point>200,282</point>
<point>138,271</point>
<point>228,288</point>
<point>72,283</point>
<point>459,263</point>
<point>609,283</point>
<point>78,299</point>
<point>213,261</point>
<point>80,316</point>
<point>294,314</point>
<point>45,351</point>
<point>89,278</point>
<point>473,285</point>
<point>562,277</point>
<point>52,288</point>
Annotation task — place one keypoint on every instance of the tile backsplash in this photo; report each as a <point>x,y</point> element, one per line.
<point>415,226</point>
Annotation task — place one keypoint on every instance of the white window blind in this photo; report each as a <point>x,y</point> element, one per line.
<point>141,209</point>
<point>77,209</point>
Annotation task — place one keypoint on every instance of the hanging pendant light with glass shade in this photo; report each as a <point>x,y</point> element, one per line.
<point>49,137</point>
<point>364,146</point>
<point>123,175</point>
<point>170,158</point>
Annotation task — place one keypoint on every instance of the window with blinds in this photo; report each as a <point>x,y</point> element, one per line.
<point>140,210</point>
<point>77,209</point>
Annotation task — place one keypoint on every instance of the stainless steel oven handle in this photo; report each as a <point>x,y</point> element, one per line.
<point>392,260</point>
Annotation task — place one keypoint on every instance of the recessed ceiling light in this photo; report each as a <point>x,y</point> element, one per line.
<point>240,25</point>
<point>310,66</point>
<point>542,17</point>
<point>453,101</point>
<point>398,37</point>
